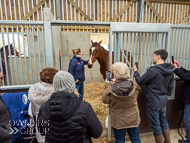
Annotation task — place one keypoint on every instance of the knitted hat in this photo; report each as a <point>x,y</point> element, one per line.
<point>64,82</point>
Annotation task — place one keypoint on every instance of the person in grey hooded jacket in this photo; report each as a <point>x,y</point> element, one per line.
<point>159,81</point>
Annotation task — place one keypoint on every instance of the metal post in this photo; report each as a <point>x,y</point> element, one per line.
<point>140,10</point>
<point>58,10</point>
<point>48,44</point>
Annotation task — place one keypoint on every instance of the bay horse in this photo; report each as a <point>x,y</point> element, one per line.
<point>12,50</point>
<point>97,52</point>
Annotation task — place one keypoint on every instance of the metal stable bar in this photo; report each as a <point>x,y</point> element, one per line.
<point>15,55</point>
<point>172,43</point>
<point>119,47</point>
<point>138,34</point>
<point>1,64</point>
<point>175,43</point>
<point>184,47</point>
<point>28,36</point>
<point>115,45</point>
<point>43,46</point>
<point>135,34</point>
<point>181,47</point>
<point>145,36</point>
<point>48,44</point>
<point>140,27</point>
<point>39,55</point>
<point>10,54</point>
<point>18,22</point>
<point>20,55</point>
<point>127,37</point>
<point>180,26</point>
<point>130,53</point>
<point>187,53</point>
<point>148,55</point>
<point>156,42</point>
<point>178,45</point>
<point>79,23</point>
<point>4,53</point>
<point>26,68</point>
<point>159,40</point>
<point>123,46</point>
<point>110,49</point>
<point>167,43</point>
<point>141,51</point>
<point>34,54</point>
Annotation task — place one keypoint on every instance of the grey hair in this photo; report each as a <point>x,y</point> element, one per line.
<point>120,70</point>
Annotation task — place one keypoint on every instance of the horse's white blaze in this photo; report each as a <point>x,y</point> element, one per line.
<point>90,60</point>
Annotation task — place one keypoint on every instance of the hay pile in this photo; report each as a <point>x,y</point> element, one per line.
<point>93,94</point>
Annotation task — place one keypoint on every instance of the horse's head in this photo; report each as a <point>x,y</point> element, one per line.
<point>13,50</point>
<point>94,53</point>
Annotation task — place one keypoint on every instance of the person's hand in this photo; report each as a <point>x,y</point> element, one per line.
<point>173,64</point>
<point>177,63</point>
<point>135,68</point>
<point>107,81</point>
<point>113,80</point>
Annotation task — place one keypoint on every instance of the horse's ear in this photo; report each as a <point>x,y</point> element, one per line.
<point>100,42</point>
<point>92,42</point>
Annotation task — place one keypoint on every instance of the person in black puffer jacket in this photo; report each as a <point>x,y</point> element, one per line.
<point>184,75</point>
<point>76,68</point>
<point>64,118</point>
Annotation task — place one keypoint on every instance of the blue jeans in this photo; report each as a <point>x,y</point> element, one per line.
<point>157,118</point>
<point>133,135</point>
<point>80,89</point>
<point>187,121</point>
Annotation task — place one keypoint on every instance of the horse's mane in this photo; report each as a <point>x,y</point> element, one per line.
<point>95,43</point>
<point>6,46</point>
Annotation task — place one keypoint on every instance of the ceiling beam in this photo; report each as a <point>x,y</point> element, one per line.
<point>80,10</point>
<point>123,10</point>
<point>40,3</point>
<point>155,11</point>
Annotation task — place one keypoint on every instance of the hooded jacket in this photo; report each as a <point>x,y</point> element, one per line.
<point>6,134</point>
<point>185,90</point>
<point>39,93</point>
<point>64,118</point>
<point>122,97</point>
<point>76,68</point>
<point>159,81</point>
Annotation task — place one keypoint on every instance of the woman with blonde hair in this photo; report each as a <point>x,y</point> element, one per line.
<point>40,92</point>
<point>122,97</point>
<point>76,68</point>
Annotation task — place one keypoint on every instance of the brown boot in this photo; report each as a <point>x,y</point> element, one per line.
<point>159,138</point>
<point>166,134</point>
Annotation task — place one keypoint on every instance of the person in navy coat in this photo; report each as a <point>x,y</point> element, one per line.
<point>76,68</point>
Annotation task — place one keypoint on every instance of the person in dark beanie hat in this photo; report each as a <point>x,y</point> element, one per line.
<point>64,118</point>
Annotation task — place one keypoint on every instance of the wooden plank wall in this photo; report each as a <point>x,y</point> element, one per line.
<point>96,10</point>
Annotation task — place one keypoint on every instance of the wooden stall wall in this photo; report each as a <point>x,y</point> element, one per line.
<point>155,11</point>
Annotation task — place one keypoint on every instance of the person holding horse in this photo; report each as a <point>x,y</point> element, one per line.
<point>184,96</point>
<point>76,68</point>
<point>159,81</point>
<point>122,97</point>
